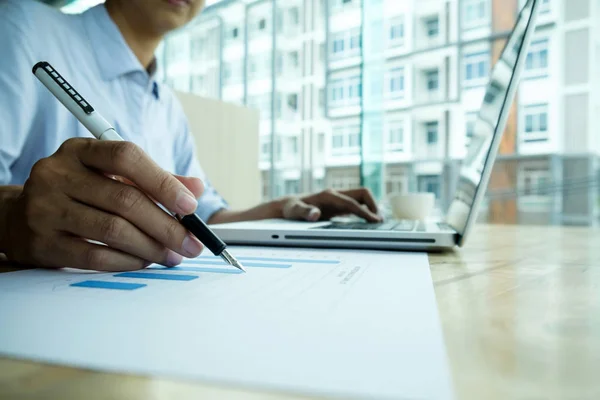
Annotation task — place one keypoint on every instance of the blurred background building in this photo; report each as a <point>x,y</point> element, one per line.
<point>384,93</point>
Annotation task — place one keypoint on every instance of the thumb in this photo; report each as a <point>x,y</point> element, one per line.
<point>194,185</point>
<point>298,210</point>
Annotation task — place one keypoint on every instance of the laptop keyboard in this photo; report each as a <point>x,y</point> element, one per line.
<point>395,226</point>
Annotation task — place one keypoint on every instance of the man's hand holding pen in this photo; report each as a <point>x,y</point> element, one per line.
<point>69,198</point>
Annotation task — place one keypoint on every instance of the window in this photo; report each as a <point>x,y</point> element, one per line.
<point>537,58</point>
<point>475,13</point>
<point>429,183</point>
<point>262,24</point>
<point>396,83</point>
<point>395,136</point>
<point>433,81</point>
<point>534,181</point>
<point>337,140</point>
<point>345,140</point>
<point>432,27</point>
<point>321,99</point>
<point>535,123</point>
<point>294,16</point>
<point>265,149</point>
<point>322,52</point>
<point>395,184</point>
<point>346,44</point>
<point>234,33</point>
<point>477,66</point>
<point>292,101</point>
<point>294,60</point>
<point>397,32</point>
<point>292,187</point>
<point>431,128</point>
<point>345,92</point>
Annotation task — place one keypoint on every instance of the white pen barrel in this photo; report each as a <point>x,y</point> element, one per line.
<point>93,121</point>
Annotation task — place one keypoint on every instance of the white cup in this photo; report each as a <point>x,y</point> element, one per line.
<point>415,206</point>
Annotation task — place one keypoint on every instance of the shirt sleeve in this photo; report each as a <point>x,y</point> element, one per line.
<point>188,165</point>
<point>18,99</point>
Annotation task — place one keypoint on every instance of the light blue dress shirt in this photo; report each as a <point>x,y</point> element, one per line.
<point>90,52</point>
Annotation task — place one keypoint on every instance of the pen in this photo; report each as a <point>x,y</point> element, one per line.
<point>102,130</point>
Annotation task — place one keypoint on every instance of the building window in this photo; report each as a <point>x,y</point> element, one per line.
<point>396,32</point>
<point>395,184</point>
<point>265,149</point>
<point>345,140</point>
<point>337,140</point>
<point>345,92</point>
<point>292,187</point>
<point>535,124</point>
<point>534,181</point>
<point>477,66</point>
<point>537,58</point>
<point>292,101</point>
<point>262,24</point>
<point>430,184</point>
<point>431,129</point>
<point>346,44</point>
<point>395,136</point>
<point>294,16</point>
<point>294,59</point>
<point>476,13</point>
<point>433,80</point>
<point>396,83</point>
<point>432,27</point>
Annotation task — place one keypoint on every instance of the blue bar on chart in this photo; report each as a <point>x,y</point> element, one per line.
<point>280,260</point>
<point>108,285</point>
<point>166,277</point>
<point>218,261</point>
<point>199,269</point>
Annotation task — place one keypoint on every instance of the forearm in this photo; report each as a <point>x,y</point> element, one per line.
<point>7,195</point>
<point>272,209</point>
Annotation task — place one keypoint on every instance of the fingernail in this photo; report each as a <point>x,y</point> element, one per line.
<point>173,259</point>
<point>314,214</point>
<point>192,246</point>
<point>186,203</point>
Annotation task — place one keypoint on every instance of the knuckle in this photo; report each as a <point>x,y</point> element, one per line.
<point>124,154</point>
<point>111,229</point>
<point>173,234</point>
<point>128,199</point>
<point>94,257</point>
<point>329,191</point>
<point>165,183</point>
<point>69,145</point>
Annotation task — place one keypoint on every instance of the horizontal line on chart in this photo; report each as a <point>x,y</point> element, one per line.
<point>199,269</point>
<point>108,285</point>
<point>280,260</point>
<point>151,275</point>
<point>214,261</point>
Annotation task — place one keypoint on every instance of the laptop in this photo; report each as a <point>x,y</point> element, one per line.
<point>472,184</point>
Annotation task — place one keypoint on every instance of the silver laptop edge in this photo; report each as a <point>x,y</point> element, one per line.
<point>473,180</point>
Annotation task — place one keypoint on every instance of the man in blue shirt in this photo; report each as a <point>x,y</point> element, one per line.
<point>54,185</point>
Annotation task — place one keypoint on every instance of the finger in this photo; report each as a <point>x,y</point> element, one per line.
<point>194,185</point>
<point>298,210</point>
<point>136,207</point>
<point>72,252</point>
<point>131,162</point>
<point>118,233</point>
<point>363,196</point>
<point>348,204</point>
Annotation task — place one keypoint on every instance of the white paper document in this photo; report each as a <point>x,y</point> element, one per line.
<point>350,324</point>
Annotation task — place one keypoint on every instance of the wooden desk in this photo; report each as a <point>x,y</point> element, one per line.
<point>521,314</point>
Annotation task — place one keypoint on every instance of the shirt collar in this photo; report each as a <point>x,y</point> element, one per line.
<point>113,55</point>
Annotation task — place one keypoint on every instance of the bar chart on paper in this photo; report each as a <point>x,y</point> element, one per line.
<point>270,273</point>
<point>340,322</point>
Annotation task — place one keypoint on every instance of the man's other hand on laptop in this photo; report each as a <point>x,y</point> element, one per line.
<point>331,203</point>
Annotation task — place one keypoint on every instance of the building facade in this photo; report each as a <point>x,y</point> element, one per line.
<point>385,93</point>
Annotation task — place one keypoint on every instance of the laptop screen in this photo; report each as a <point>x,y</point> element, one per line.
<point>490,124</point>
